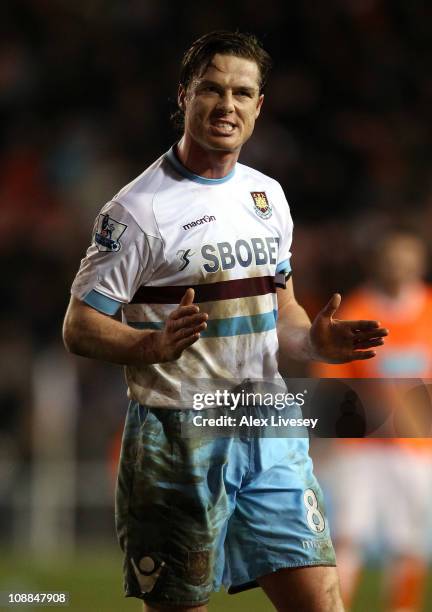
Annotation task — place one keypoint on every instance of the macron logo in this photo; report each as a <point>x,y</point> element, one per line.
<point>205,219</point>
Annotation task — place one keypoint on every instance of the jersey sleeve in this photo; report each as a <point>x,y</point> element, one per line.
<point>116,263</point>
<point>283,267</point>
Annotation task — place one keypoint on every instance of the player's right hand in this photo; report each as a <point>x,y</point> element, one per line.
<point>182,329</point>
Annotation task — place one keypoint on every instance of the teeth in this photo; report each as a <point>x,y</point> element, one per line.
<point>223,125</point>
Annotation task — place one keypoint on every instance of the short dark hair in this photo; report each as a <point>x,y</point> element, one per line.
<point>198,57</point>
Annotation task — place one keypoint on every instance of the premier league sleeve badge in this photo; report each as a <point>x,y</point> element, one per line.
<point>108,233</point>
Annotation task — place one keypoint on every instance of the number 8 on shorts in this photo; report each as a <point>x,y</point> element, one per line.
<point>314,517</point>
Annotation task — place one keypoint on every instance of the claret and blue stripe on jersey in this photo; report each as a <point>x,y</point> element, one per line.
<point>206,292</point>
<point>216,292</point>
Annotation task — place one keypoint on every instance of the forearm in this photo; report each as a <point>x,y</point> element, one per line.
<point>89,333</point>
<point>293,330</point>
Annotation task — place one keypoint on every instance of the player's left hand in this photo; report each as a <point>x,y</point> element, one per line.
<point>336,341</point>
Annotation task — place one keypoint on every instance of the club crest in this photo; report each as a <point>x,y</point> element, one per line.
<point>108,233</point>
<point>198,567</point>
<point>261,204</point>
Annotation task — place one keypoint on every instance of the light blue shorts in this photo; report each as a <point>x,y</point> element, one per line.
<point>193,514</point>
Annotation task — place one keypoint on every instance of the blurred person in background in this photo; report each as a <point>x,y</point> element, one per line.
<point>197,226</point>
<point>381,488</point>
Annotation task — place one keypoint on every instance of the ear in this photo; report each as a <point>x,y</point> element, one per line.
<point>181,97</point>
<point>259,104</point>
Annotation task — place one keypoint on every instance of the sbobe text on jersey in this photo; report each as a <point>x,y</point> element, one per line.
<point>255,251</point>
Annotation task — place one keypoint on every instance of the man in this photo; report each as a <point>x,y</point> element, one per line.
<point>198,228</point>
<point>393,471</point>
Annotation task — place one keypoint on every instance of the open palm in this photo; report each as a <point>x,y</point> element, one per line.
<point>337,341</point>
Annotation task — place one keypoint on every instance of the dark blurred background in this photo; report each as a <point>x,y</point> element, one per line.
<point>86,91</point>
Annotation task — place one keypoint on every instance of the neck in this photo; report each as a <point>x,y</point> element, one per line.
<point>209,164</point>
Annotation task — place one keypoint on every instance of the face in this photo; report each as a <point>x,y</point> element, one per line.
<point>400,261</point>
<point>222,104</point>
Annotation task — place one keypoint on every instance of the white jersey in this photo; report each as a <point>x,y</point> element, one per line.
<point>227,238</point>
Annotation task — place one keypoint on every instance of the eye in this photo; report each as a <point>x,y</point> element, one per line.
<point>244,93</point>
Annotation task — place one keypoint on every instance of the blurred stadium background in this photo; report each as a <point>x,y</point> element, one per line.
<point>86,90</point>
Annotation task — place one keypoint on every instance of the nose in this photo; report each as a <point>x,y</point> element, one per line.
<point>226,102</point>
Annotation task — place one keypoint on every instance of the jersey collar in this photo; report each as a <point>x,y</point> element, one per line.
<point>178,166</point>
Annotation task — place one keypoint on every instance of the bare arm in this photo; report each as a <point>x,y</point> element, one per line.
<point>90,333</point>
<point>293,326</point>
<point>327,339</point>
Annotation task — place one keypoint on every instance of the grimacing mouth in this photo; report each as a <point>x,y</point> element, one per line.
<point>219,120</point>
